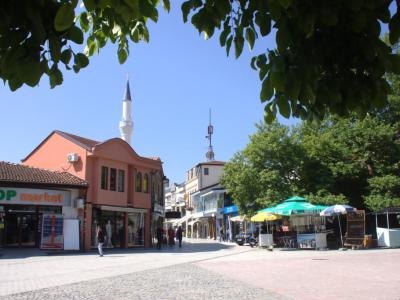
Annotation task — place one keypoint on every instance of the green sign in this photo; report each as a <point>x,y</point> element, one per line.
<point>7,194</point>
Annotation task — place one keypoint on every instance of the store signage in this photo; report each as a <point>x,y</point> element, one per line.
<point>34,196</point>
<point>52,232</point>
<point>355,228</point>
<point>172,214</point>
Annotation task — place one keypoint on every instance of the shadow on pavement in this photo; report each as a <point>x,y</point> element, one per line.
<point>18,253</point>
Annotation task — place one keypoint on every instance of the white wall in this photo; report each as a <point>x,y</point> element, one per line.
<point>214,174</point>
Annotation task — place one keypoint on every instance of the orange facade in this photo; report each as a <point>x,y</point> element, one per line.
<point>111,169</point>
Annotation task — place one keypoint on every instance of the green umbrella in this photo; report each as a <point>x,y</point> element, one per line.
<point>294,205</point>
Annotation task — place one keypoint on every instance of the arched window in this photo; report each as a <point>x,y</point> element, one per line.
<point>139,182</point>
<point>146,183</point>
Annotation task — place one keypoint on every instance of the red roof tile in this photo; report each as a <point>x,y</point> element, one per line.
<point>16,173</point>
<point>87,143</point>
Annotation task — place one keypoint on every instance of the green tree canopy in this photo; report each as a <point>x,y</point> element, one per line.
<point>329,57</point>
<point>341,160</point>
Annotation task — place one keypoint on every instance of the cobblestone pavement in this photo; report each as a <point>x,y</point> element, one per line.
<point>203,270</point>
<point>184,281</point>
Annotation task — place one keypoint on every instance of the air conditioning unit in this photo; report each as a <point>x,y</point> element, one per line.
<point>72,157</point>
<point>79,203</point>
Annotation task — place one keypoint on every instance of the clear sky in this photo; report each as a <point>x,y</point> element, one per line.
<point>175,79</point>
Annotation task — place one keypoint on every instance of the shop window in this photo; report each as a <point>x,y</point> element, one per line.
<point>146,183</point>
<point>121,180</point>
<point>104,178</point>
<point>113,177</point>
<point>112,224</point>
<point>136,229</point>
<point>139,182</point>
<point>206,171</point>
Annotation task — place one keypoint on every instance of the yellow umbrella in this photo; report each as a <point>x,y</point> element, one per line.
<point>265,216</point>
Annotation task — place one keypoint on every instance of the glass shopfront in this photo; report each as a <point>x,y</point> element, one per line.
<point>112,223</point>
<point>20,225</point>
<point>136,229</point>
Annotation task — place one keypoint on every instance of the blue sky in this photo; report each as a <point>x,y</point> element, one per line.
<point>175,79</point>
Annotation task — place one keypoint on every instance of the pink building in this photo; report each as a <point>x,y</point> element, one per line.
<point>125,194</point>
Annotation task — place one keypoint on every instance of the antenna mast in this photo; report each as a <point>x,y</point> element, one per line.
<point>210,131</point>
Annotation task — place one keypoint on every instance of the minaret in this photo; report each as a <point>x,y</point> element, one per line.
<point>210,131</point>
<point>126,124</point>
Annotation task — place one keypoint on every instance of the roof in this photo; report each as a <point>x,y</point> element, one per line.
<point>127,95</point>
<point>17,173</point>
<point>86,143</point>
<point>154,158</point>
<point>212,162</point>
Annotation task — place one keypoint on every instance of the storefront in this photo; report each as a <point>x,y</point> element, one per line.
<point>35,218</point>
<point>123,226</point>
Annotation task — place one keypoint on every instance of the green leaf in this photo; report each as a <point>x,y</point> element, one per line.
<point>223,36</point>
<point>250,37</point>
<point>122,55</point>
<point>55,48</point>
<point>267,90</point>
<point>14,84</point>
<point>263,71</point>
<point>278,80</point>
<point>285,3</point>
<point>167,5</point>
<point>89,4</point>
<point>81,60</point>
<point>56,77</point>
<point>269,114</point>
<point>30,72</point>
<point>275,9</point>
<point>394,28</point>
<point>395,63</point>
<point>64,17</point>
<point>148,10</point>
<point>282,38</point>
<point>75,35</point>
<point>284,107</point>
<point>84,21</point>
<point>66,56</point>
<point>228,45</point>
<point>253,63</point>
<point>263,22</point>
<point>238,41</point>
<point>186,6</point>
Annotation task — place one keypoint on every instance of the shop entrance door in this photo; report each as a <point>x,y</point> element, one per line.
<point>20,230</point>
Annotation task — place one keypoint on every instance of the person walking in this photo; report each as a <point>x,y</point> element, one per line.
<point>159,233</point>
<point>171,236</point>
<point>221,235</point>
<point>179,236</point>
<point>100,239</point>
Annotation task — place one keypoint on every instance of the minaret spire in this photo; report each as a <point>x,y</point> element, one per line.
<point>210,131</point>
<point>126,123</point>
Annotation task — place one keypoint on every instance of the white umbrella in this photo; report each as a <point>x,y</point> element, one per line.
<point>337,210</point>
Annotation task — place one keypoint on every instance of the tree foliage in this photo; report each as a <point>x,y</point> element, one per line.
<point>337,161</point>
<point>329,57</point>
<point>37,37</point>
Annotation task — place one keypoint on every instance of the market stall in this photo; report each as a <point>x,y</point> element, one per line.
<point>265,239</point>
<point>388,236</point>
<point>304,220</point>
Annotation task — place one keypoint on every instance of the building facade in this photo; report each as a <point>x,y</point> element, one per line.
<point>182,197</point>
<point>125,194</point>
<point>41,208</point>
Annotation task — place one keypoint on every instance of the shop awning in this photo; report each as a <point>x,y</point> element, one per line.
<point>192,222</point>
<point>123,209</point>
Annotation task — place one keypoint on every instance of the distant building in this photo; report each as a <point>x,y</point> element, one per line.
<point>125,194</point>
